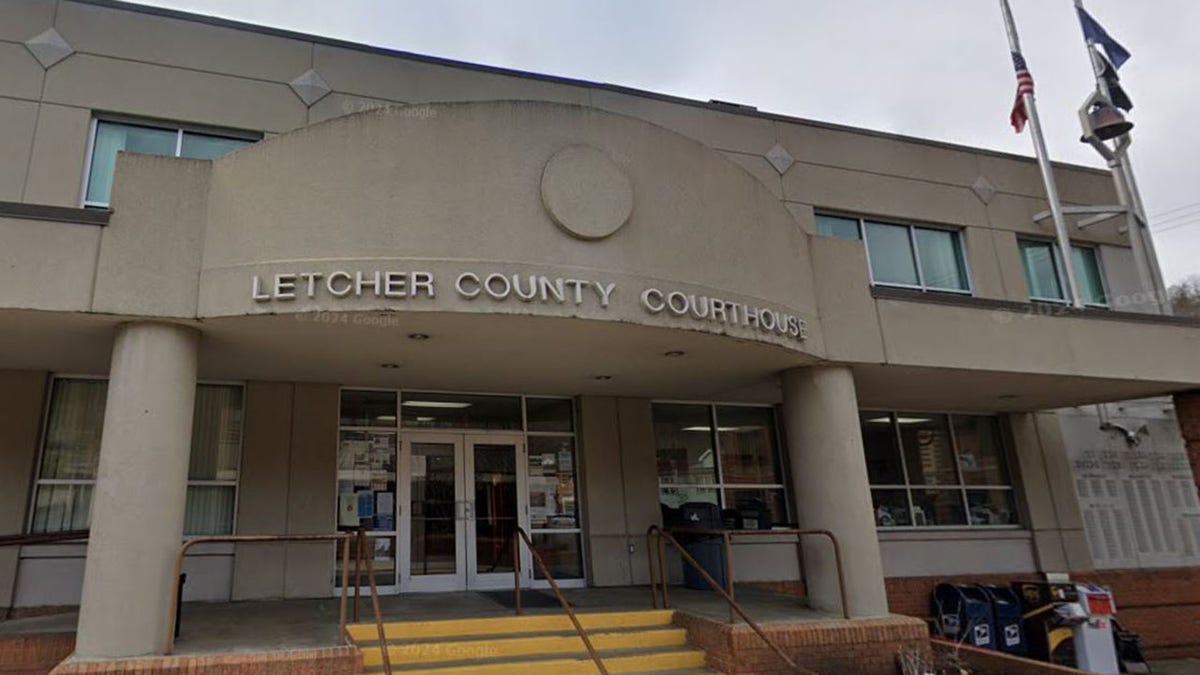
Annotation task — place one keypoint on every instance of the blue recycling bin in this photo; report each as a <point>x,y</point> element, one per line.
<point>964,614</point>
<point>708,551</point>
<point>1007,619</point>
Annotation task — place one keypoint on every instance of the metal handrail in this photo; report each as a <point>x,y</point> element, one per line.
<point>345,537</point>
<point>537,558</point>
<point>728,535</point>
<point>655,530</point>
<point>379,629</point>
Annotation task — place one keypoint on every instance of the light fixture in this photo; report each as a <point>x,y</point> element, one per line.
<point>674,353</point>
<point>899,420</point>
<point>418,336</point>
<point>602,377</point>
<point>389,365</point>
<point>422,418</point>
<point>455,405</point>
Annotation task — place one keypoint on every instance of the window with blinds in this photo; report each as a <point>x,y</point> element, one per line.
<point>71,452</point>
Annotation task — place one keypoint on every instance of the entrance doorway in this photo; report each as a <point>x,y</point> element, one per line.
<point>440,481</point>
<point>461,500</point>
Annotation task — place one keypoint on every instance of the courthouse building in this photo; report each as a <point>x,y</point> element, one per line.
<point>257,282</point>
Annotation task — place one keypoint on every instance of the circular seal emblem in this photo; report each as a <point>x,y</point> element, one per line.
<point>586,193</point>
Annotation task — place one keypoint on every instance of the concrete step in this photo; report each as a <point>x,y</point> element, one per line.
<point>508,625</point>
<point>675,659</point>
<point>496,647</point>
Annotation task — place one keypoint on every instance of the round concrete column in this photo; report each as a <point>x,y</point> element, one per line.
<point>137,507</point>
<point>829,481</point>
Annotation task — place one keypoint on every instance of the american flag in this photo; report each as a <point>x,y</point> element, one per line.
<point>1019,114</point>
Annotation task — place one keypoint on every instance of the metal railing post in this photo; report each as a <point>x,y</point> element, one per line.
<point>383,646</point>
<point>562,600</point>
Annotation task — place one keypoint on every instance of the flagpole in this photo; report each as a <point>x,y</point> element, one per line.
<point>1043,160</point>
<point>1137,223</point>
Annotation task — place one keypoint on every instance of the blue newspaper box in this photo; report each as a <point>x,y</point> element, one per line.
<point>1006,617</point>
<point>964,614</point>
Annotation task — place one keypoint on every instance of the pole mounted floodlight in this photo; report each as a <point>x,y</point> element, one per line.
<point>1101,120</point>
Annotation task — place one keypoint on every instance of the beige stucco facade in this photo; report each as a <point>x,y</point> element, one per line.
<point>410,196</point>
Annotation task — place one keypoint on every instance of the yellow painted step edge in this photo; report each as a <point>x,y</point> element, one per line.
<point>461,650</point>
<point>528,623</point>
<point>672,660</point>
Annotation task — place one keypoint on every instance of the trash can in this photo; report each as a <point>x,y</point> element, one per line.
<point>1006,616</point>
<point>964,614</point>
<point>708,551</point>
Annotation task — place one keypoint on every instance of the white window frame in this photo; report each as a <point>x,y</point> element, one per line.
<point>718,483</point>
<point>1060,272</point>
<point>960,485</point>
<point>912,227</point>
<point>38,481</point>
<point>178,128</point>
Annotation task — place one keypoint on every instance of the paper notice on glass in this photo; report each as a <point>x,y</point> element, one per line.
<point>385,502</point>
<point>566,461</point>
<point>366,503</point>
<point>347,510</point>
<point>417,463</point>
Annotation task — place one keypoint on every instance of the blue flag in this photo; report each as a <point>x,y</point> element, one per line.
<point>1096,33</point>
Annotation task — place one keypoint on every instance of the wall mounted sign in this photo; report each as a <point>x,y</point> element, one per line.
<point>527,288</point>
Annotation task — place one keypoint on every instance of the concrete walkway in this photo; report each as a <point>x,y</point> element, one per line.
<point>300,624</point>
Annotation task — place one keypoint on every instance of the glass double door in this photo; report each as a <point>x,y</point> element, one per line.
<point>461,499</point>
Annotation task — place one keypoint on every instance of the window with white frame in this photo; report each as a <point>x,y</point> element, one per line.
<point>934,470</point>
<point>907,256</point>
<point>726,455</point>
<point>66,477</point>
<point>152,138</point>
<point>1044,272</point>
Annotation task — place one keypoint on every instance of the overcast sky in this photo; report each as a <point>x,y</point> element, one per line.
<point>931,68</point>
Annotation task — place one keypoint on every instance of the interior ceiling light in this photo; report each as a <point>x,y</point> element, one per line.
<point>418,336</point>
<point>455,405</point>
<point>674,353</point>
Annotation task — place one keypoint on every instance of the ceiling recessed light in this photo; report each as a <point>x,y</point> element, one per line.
<point>418,336</point>
<point>602,377</point>
<point>452,405</point>
<point>389,365</point>
<point>674,353</point>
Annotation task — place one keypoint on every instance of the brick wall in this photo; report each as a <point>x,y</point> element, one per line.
<point>326,661</point>
<point>1161,605</point>
<point>998,663</point>
<point>1187,411</point>
<point>35,653</point>
<point>857,647</point>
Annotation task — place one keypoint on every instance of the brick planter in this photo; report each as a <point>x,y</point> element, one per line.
<point>855,647</point>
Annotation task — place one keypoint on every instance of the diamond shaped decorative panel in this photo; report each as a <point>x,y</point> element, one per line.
<point>780,158</point>
<point>983,189</point>
<point>48,47</point>
<point>310,87</point>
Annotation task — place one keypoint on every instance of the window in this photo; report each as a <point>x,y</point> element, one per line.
<point>71,452</point>
<point>736,467</point>
<point>109,138</point>
<point>930,470</point>
<point>910,256</point>
<point>554,523</point>
<point>1044,272</point>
